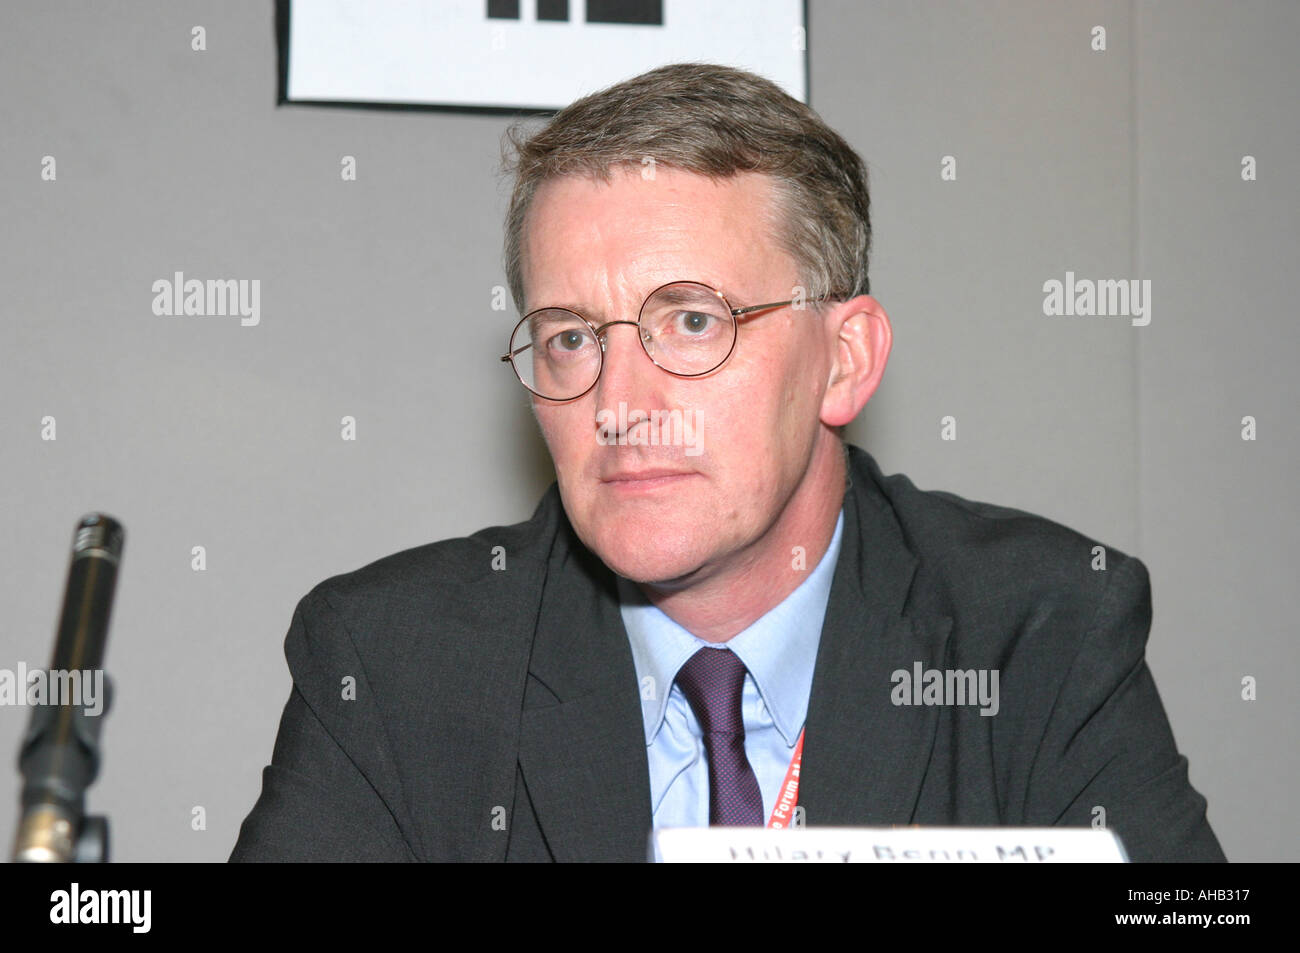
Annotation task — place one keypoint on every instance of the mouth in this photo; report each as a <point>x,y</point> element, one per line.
<point>631,481</point>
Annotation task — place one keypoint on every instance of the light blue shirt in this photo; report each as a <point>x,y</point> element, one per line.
<point>779,651</point>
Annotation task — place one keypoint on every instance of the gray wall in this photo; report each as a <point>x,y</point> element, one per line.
<point>375,303</point>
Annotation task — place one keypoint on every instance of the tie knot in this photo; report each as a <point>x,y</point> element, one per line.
<point>712,681</point>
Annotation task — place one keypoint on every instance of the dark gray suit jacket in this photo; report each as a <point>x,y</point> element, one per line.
<point>497,714</point>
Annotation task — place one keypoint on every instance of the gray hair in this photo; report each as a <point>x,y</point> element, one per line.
<point>714,121</point>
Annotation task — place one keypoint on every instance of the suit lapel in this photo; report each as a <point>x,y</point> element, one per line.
<point>864,757</point>
<point>582,745</point>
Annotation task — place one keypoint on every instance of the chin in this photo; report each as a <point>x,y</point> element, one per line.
<point>651,554</point>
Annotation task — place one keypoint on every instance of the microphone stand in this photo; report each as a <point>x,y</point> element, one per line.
<point>59,757</point>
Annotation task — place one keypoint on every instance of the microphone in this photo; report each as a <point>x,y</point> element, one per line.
<point>59,756</point>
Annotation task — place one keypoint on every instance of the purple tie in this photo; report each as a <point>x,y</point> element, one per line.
<point>712,681</point>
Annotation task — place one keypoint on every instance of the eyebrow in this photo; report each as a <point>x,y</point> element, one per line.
<point>673,297</point>
<point>684,296</point>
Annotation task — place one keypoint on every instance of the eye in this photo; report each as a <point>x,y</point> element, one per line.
<point>567,341</point>
<point>693,323</point>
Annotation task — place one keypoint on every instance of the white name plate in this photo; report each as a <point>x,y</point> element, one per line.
<point>886,845</point>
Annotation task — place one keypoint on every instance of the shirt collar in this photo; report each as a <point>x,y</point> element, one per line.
<point>779,649</point>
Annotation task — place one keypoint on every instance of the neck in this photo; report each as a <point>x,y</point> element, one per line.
<point>720,604</point>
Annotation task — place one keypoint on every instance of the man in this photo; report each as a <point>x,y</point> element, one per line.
<point>716,586</point>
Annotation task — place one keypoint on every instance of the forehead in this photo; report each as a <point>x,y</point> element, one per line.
<point>590,243</point>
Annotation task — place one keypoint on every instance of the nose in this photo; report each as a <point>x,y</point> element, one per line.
<point>628,373</point>
<point>604,337</point>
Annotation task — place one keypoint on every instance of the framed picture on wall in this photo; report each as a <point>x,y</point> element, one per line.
<point>522,55</point>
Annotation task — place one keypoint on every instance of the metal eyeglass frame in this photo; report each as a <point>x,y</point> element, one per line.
<point>598,332</point>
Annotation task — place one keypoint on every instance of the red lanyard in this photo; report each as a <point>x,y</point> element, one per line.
<point>783,812</point>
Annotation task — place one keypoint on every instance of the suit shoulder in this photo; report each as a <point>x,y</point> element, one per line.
<point>984,553</point>
<point>448,577</point>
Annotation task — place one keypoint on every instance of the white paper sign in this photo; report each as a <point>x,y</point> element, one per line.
<point>486,53</point>
<point>887,845</point>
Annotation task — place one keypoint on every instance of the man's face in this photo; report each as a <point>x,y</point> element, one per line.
<point>671,515</point>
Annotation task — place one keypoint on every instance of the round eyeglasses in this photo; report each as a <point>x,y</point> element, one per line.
<point>686,328</point>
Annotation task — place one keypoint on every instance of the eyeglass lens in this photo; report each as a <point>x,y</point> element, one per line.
<point>686,328</point>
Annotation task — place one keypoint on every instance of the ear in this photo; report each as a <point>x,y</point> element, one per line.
<point>862,337</point>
